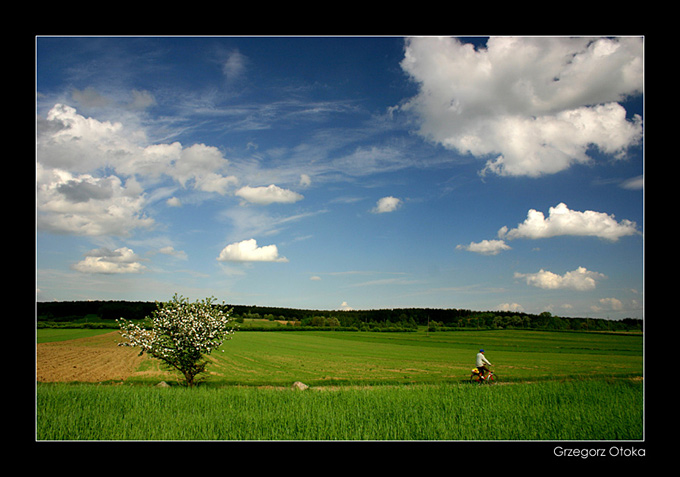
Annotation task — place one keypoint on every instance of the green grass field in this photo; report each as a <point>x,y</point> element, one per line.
<point>321,358</point>
<point>64,334</point>
<point>372,386</point>
<point>573,410</point>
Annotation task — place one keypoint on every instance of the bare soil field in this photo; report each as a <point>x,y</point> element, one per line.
<point>93,359</point>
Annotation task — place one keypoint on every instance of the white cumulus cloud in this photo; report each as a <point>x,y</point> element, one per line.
<point>563,221</point>
<point>81,204</point>
<point>579,279</point>
<point>485,247</point>
<point>103,260</point>
<point>90,173</point>
<point>173,202</point>
<point>268,195</point>
<point>174,253</point>
<point>305,180</point>
<point>248,251</point>
<point>611,303</point>
<point>528,106</point>
<point>386,204</point>
<point>203,166</point>
<point>510,307</point>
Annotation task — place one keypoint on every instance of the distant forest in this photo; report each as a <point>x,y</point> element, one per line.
<point>399,319</point>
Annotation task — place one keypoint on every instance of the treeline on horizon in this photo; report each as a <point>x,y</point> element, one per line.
<point>398,319</point>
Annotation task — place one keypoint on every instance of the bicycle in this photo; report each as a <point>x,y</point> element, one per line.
<point>490,377</point>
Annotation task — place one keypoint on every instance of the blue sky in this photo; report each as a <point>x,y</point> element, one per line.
<point>343,172</point>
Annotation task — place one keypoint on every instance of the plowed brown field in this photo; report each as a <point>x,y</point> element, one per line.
<point>93,359</point>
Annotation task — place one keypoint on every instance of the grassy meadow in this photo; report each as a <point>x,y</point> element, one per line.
<point>51,335</point>
<point>369,386</point>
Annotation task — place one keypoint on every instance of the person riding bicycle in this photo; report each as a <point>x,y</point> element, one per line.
<point>481,362</point>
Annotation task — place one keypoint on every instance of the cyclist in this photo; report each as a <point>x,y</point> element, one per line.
<point>481,362</point>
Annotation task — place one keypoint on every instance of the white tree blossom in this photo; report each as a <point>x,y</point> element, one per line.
<point>181,334</point>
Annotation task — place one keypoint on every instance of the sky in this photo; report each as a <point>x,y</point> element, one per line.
<point>339,173</point>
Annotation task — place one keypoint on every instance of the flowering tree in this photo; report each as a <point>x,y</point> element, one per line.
<point>181,335</point>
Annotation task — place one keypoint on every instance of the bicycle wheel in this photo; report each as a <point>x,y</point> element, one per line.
<point>475,378</point>
<point>491,378</point>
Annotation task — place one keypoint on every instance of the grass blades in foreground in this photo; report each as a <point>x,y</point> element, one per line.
<point>589,409</point>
